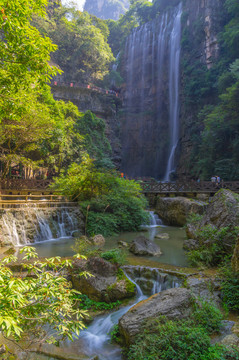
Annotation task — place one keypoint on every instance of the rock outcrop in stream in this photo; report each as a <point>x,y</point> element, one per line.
<point>107,283</point>
<point>223,211</point>
<point>172,303</point>
<point>174,211</point>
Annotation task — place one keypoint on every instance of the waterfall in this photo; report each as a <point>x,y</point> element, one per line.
<point>26,225</point>
<point>175,48</point>
<point>96,339</point>
<point>150,129</point>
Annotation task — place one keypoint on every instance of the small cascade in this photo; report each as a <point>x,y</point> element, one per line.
<point>96,339</point>
<point>31,224</point>
<point>154,219</point>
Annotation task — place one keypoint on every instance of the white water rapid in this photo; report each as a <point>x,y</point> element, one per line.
<point>95,341</point>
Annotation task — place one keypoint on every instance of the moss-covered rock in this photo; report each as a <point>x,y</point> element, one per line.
<point>174,211</point>
<point>107,283</point>
<point>222,212</point>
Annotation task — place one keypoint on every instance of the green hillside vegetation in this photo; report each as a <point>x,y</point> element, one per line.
<point>83,52</point>
<point>212,96</point>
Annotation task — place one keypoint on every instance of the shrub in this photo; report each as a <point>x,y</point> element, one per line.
<point>170,340</point>
<point>110,204</point>
<point>177,340</point>
<point>215,246</point>
<point>207,315</point>
<point>88,304</point>
<point>230,288</point>
<point>116,256</point>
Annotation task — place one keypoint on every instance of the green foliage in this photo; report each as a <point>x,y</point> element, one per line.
<point>230,288</point>
<point>83,52</point>
<point>111,204</point>
<point>24,53</point>
<point>115,334</point>
<point>207,316</point>
<point>115,256</point>
<point>85,247</point>
<point>210,96</point>
<point>170,340</point>
<point>88,304</point>
<point>213,249</point>
<point>182,339</point>
<point>194,218</point>
<point>40,305</point>
<point>95,140</point>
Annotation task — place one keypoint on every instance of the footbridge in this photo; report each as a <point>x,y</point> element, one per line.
<point>185,187</point>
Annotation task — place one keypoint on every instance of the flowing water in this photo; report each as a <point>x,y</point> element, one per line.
<point>95,341</point>
<point>33,224</point>
<point>150,131</point>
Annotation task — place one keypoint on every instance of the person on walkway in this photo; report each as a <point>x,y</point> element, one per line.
<point>213,179</point>
<point>218,181</point>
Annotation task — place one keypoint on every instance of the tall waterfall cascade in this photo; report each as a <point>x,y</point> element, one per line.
<point>150,130</point>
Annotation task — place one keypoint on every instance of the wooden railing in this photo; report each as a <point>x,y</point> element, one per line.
<point>147,186</point>
<point>186,187</point>
<point>24,184</point>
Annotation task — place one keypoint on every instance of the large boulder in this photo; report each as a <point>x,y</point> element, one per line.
<point>222,211</point>
<point>174,211</point>
<point>143,246</point>
<point>173,303</point>
<point>106,283</point>
<point>98,240</point>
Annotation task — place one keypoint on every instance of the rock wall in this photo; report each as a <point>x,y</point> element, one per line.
<point>201,24</point>
<point>104,106</point>
<point>107,9</point>
<point>146,101</point>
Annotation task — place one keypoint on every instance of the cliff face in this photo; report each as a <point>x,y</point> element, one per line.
<point>102,105</point>
<point>107,9</point>
<point>201,24</point>
<point>154,84</point>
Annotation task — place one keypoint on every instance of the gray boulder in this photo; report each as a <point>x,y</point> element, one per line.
<point>174,211</point>
<point>222,211</point>
<point>98,240</point>
<point>162,236</point>
<point>142,246</point>
<point>106,283</point>
<point>208,289</point>
<point>172,303</point>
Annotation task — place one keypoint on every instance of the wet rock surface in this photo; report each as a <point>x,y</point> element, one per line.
<point>172,303</point>
<point>105,284</point>
<point>174,211</point>
<point>142,246</point>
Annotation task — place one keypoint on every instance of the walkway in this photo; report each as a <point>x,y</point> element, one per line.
<point>181,187</point>
<point>85,86</point>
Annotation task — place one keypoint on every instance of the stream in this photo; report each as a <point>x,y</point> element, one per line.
<point>95,340</point>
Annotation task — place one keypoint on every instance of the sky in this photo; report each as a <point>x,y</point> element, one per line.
<point>79,3</point>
